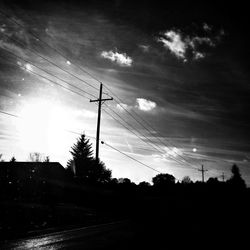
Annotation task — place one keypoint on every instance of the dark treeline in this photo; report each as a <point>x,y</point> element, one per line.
<point>40,195</point>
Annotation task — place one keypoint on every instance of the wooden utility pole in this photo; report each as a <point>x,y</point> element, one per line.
<point>223,176</point>
<point>202,172</point>
<point>100,102</point>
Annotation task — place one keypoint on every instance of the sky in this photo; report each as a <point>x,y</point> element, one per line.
<point>178,73</point>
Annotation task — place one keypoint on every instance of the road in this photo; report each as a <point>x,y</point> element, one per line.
<point>116,235</point>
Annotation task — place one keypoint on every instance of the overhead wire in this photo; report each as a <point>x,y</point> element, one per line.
<point>47,44</point>
<point>54,64</point>
<point>7,113</point>
<point>76,65</point>
<point>48,79</point>
<point>151,144</point>
<point>70,131</point>
<point>70,90</point>
<point>31,63</point>
<point>176,153</point>
<point>85,71</point>
<point>28,61</point>
<point>145,165</point>
<point>140,123</point>
<point>159,149</point>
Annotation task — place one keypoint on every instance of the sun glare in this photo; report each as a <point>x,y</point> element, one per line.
<point>42,127</point>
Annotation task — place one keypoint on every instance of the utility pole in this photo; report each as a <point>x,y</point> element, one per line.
<point>100,102</point>
<point>202,172</point>
<point>223,176</point>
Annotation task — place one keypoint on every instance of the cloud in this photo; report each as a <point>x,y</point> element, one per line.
<point>145,105</point>
<point>122,106</point>
<point>8,46</point>
<point>170,153</point>
<point>84,113</point>
<point>2,28</point>
<point>145,48</point>
<point>180,44</point>
<point>198,55</point>
<point>174,42</point>
<point>25,66</point>
<point>120,58</point>
<point>207,27</point>
<point>195,41</point>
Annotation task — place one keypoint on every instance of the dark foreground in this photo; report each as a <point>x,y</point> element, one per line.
<point>194,216</point>
<point>114,235</point>
<point>204,232</point>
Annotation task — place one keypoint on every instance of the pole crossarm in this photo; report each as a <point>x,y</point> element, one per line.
<point>102,100</point>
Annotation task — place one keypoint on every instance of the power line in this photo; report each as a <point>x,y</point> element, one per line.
<point>143,140</point>
<point>7,113</point>
<point>132,158</point>
<point>129,129</point>
<point>158,147</point>
<point>48,45</point>
<point>70,131</point>
<point>39,39</point>
<point>143,124</point>
<point>28,61</point>
<point>85,71</point>
<point>145,165</point>
<point>48,79</point>
<point>49,61</point>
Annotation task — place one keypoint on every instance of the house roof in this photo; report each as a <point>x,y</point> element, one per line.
<point>32,170</point>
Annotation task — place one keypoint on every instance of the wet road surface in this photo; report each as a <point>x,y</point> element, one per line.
<point>115,235</point>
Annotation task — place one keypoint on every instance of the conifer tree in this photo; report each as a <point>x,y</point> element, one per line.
<point>82,156</point>
<point>84,165</point>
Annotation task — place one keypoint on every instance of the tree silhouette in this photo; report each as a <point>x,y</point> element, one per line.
<point>163,180</point>
<point>47,159</point>
<point>186,180</point>
<point>71,167</point>
<point>84,165</point>
<point>124,181</point>
<point>82,157</point>
<point>1,158</point>
<point>13,159</point>
<point>35,157</point>
<point>213,182</point>
<point>144,184</point>
<point>236,179</point>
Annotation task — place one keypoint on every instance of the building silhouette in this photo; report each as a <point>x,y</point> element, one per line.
<point>36,181</point>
